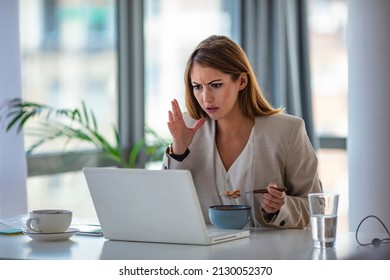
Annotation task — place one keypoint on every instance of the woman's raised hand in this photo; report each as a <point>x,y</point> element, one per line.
<point>181,134</point>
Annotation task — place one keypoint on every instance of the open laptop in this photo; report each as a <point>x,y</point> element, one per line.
<point>151,206</point>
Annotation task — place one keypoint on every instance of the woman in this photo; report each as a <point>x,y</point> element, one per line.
<point>231,138</point>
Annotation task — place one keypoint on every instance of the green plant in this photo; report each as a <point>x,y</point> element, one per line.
<point>76,124</point>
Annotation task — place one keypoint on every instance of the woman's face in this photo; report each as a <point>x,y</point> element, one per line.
<point>215,91</point>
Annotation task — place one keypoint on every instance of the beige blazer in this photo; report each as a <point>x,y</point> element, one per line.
<point>282,154</point>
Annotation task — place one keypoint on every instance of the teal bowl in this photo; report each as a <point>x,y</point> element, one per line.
<point>229,216</point>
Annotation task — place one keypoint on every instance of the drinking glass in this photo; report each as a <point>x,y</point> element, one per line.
<point>323,218</point>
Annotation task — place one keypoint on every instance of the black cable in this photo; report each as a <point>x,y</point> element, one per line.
<point>376,242</point>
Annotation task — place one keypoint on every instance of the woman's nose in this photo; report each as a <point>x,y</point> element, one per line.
<point>208,97</point>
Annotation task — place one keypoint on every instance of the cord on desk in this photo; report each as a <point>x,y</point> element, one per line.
<point>376,242</point>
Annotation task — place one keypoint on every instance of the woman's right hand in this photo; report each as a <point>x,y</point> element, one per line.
<point>181,134</point>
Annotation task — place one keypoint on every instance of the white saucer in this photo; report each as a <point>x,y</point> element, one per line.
<point>57,236</point>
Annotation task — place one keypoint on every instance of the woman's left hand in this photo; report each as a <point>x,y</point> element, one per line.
<point>274,199</point>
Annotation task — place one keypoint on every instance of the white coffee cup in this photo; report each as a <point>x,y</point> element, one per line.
<point>49,221</point>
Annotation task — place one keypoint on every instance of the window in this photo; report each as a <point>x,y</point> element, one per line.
<point>69,55</point>
<point>329,66</point>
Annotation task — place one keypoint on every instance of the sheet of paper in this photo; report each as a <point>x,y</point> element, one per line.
<point>9,230</point>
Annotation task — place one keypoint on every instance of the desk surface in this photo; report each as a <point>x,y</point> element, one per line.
<point>262,244</point>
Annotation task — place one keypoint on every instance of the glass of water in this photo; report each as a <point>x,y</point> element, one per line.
<point>323,218</point>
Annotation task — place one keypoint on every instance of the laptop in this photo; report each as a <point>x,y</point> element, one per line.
<point>151,206</point>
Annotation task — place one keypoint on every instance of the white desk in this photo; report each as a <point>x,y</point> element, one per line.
<point>262,244</point>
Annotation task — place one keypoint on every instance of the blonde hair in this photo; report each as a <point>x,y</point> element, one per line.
<point>223,54</point>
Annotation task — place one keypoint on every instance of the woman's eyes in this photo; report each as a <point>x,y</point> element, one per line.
<point>216,85</point>
<point>196,87</point>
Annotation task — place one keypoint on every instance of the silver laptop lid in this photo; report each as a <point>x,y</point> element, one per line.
<point>147,205</point>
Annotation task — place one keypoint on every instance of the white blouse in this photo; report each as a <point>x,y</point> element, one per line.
<point>241,172</point>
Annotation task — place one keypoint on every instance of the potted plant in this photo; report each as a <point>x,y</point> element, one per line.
<point>76,124</point>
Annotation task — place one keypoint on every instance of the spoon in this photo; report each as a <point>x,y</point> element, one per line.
<point>281,189</point>
<point>237,193</point>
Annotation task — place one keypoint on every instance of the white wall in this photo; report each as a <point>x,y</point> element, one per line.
<point>13,173</point>
<point>369,112</point>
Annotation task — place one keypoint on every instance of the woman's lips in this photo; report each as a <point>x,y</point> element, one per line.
<point>211,110</point>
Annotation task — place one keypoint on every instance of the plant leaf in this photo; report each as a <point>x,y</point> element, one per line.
<point>85,112</point>
<point>135,151</point>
